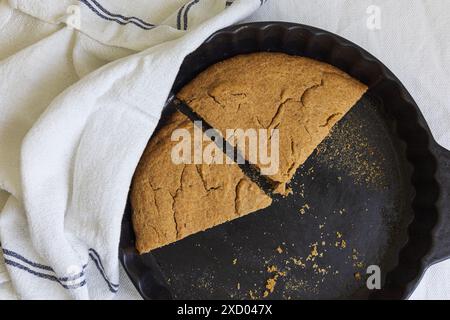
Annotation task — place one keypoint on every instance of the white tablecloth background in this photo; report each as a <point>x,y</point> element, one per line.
<point>413,42</point>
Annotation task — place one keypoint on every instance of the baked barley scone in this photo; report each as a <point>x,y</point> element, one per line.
<point>303,98</point>
<point>171,201</point>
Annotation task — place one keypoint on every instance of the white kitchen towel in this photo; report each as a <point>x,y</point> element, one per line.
<point>413,41</point>
<point>82,85</point>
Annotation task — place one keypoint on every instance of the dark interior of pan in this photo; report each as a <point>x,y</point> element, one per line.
<point>373,193</point>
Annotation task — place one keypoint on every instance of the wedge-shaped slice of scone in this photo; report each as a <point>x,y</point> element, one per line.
<point>303,98</point>
<point>171,201</point>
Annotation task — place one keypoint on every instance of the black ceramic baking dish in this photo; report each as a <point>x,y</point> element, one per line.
<point>380,183</point>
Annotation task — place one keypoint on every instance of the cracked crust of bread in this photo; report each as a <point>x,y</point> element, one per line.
<point>173,201</point>
<point>303,98</point>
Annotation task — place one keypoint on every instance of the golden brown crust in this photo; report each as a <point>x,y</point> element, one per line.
<point>173,201</point>
<point>301,97</point>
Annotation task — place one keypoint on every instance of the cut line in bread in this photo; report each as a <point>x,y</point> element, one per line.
<point>171,201</point>
<point>300,97</point>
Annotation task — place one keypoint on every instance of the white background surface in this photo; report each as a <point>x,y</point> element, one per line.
<point>414,42</point>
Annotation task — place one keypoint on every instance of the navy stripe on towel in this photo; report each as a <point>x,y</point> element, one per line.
<point>100,11</point>
<point>179,16</point>
<point>13,254</point>
<point>186,12</point>
<point>7,252</point>
<point>113,287</point>
<point>44,275</point>
<point>98,263</point>
<point>115,15</point>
